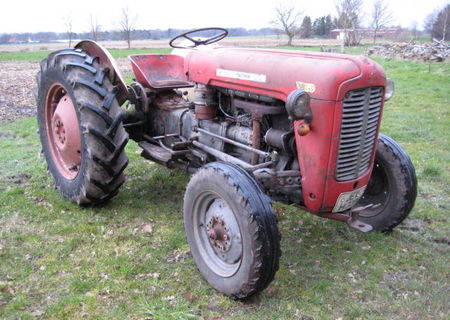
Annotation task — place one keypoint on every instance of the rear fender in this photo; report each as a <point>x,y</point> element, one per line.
<point>107,61</point>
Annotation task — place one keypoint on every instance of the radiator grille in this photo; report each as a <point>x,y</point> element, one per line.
<point>360,117</point>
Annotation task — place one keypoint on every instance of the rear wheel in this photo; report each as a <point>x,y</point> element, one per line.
<point>232,230</point>
<point>392,188</point>
<point>80,127</point>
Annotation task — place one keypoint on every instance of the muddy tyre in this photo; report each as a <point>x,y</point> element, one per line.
<point>232,230</point>
<point>80,127</point>
<point>392,188</point>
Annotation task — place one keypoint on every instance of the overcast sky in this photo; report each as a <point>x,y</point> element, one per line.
<point>47,15</point>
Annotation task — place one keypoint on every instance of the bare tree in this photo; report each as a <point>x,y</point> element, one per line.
<point>68,23</point>
<point>127,23</point>
<point>442,24</point>
<point>94,26</point>
<point>414,30</point>
<point>429,22</point>
<point>437,23</point>
<point>349,16</point>
<point>286,21</point>
<point>381,17</point>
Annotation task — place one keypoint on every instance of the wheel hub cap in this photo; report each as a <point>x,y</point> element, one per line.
<point>218,233</point>
<point>63,132</point>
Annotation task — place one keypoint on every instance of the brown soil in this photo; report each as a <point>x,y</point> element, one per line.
<point>18,88</point>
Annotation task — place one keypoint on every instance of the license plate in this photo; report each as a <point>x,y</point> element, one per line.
<point>347,200</point>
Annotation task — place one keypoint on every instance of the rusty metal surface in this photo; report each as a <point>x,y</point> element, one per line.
<point>205,102</point>
<point>204,112</point>
<point>257,110</point>
<point>218,233</point>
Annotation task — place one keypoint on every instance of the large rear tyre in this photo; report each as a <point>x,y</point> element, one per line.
<point>392,188</point>
<point>232,230</point>
<point>80,127</point>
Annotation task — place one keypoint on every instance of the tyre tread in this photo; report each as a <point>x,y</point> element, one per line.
<point>263,221</point>
<point>402,196</point>
<point>101,124</point>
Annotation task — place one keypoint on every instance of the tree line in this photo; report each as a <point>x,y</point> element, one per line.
<point>136,34</point>
<point>437,23</point>
<point>290,21</point>
<point>319,28</point>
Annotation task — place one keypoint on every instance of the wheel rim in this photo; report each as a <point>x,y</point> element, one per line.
<point>217,234</point>
<point>63,131</point>
<point>377,192</point>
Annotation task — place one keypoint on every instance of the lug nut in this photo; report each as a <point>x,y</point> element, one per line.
<point>212,234</point>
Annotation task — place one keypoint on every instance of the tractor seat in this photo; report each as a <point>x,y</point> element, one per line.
<point>160,71</point>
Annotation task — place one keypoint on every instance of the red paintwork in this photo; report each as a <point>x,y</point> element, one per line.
<point>63,131</point>
<point>159,72</point>
<point>332,74</point>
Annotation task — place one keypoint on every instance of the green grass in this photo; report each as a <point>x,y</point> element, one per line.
<point>60,261</point>
<point>39,55</point>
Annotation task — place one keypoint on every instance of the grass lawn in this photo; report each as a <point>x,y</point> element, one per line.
<point>129,259</point>
<point>39,55</point>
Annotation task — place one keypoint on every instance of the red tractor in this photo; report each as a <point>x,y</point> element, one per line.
<point>252,125</point>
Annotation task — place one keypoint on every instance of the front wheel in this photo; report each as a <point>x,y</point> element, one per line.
<point>392,188</point>
<point>232,230</point>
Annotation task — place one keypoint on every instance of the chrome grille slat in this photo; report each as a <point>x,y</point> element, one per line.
<point>360,117</point>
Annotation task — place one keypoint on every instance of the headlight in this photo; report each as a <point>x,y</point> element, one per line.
<point>389,90</point>
<point>297,106</point>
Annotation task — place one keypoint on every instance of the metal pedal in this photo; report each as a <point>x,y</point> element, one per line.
<point>155,153</point>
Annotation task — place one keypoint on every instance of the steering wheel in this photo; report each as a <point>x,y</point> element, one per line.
<point>222,33</point>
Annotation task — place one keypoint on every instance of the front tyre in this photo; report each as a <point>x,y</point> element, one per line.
<point>231,230</point>
<point>80,127</point>
<point>392,188</point>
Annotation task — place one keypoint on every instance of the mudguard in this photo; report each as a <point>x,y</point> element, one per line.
<point>107,61</point>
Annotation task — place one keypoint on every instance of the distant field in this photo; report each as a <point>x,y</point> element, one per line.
<point>39,55</point>
<point>123,53</point>
<point>139,44</point>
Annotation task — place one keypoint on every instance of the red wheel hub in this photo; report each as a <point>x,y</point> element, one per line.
<point>63,131</point>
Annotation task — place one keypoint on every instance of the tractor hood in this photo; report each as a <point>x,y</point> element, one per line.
<point>276,73</point>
